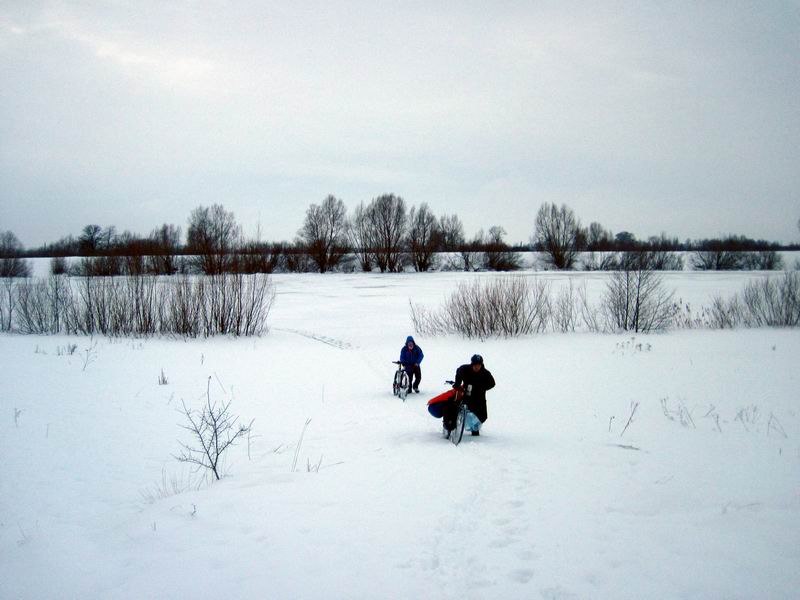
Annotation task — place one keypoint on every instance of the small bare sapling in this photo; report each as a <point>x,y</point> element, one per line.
<point>214,429</point>
<point>634,406</point>
<point>89,354</point>
<point>299,443</point>
<point>162,378</point>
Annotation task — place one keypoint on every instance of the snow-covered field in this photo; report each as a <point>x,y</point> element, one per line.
<point>699,498</point>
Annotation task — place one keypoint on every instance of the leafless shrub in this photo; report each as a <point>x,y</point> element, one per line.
<point>11,262</point>
<point>566,309</point>
<point>725,314</point>
<point>8,304</point>
<point>590,315</point>
<point>43,305</point>
<point>770,302</point>
<point>664,260</point>
<point>67,350</point>
<point>636,301</point>
<point>716,259</point>
<point>763,260</point>
<point>680,414</point>
<point>600,261</point>
<point>687,317</point>
<point>59,266</point>
<point>506,307</point>
<point>773,303</point>
<point>428,322</point>
<point>748,417</point>
<point>213,430</point>
<point>143,305</point>
<point>162,378</point>
<point>89,354</point>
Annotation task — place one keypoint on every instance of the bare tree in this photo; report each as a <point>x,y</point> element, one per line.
<point>387,219</point>
<point>11,262</point>
<point>555,233</point>
<point>324,233</point>
<point>423,237</point>
<point>214,430</point>
<point>598,238</point>
<point>166,241</point>
<point>90,239</point>
<point>452,233</point>
<point>499,257</point>
<point>213,237</point>
<point>360,239</point>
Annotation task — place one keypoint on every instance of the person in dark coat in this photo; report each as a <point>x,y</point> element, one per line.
<point>476,381</point>
<point>411,356</point>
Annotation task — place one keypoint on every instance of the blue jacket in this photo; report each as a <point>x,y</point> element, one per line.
<point>411,357</point>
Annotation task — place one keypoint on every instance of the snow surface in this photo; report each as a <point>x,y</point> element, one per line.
<point>552,500</point>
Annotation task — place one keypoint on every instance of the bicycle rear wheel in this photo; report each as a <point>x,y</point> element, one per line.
<point>461,419</point>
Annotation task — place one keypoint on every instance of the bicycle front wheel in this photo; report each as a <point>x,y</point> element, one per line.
<point>461,419</point>
<point>403,389</point>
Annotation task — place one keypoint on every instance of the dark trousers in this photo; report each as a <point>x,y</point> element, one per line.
<point>449,412</point>
<point>414,376</point>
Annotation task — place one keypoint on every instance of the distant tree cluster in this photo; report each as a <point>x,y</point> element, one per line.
<point>387,235</point>
<point>384,234</point>
<point>559,235</point>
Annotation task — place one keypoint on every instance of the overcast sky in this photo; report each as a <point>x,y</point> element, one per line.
<point>682,117</point>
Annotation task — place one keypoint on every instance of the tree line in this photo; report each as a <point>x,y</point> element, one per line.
<point>384,234</point>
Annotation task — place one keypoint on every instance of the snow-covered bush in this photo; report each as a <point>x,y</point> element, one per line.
<point>505,307</point>
<point>145,305</point>
<point>772,302</point>
<point>635,300</point>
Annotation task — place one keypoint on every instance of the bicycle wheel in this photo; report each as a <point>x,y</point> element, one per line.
<point>403,385</point>
<point>461,419</point>
<point>396,383</point>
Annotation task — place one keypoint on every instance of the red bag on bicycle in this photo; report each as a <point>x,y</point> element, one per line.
<point>436,405</point>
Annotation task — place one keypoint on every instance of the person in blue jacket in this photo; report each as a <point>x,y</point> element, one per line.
<point>411,356</point>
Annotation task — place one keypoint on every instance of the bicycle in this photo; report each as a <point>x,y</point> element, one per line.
<point>462,409</point>
<point>401,382</point>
